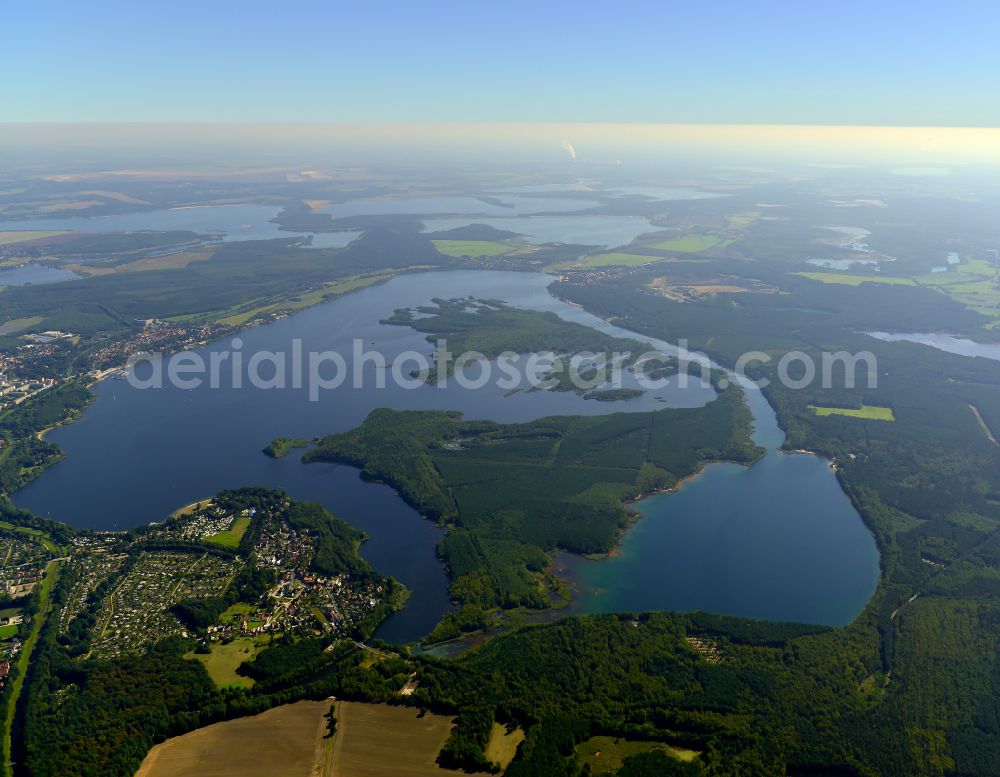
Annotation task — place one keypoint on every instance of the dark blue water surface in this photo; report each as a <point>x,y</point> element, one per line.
<point>776,540</point>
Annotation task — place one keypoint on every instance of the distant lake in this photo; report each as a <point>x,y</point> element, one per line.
<point>776,540</point>
<point>675,193</point>
<point>235,222</point>
<point>542,188</point>
<point>512,205</point>
<point>254,222</point>
<point>947,343</point>
<point>35,274</point>
<point>609,231</point>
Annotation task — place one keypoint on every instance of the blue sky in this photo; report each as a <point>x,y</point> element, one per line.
<point>881,63</point>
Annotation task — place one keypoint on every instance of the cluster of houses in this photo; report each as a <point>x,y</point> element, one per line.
<point>137,613</point>
<point>22,564</point>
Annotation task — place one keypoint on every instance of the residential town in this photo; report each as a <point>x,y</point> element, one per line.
<point>127,587</point>
<point>22,564</point>
<point>137,613</point>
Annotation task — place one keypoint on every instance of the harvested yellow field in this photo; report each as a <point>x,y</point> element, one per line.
<point>372,740</point>
<point>375,740</point>
<point>284,742</point>
<point>869,412</point>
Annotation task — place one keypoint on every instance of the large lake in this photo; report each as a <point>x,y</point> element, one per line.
<point>947,343</point>
<point>233,222</point>
<point>761,535</point>
<point>34,273</point>
<point>776,541</point>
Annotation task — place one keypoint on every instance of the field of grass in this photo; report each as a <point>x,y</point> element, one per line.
<point>618,258</point>
<point>870,412</point>
<point>14,691</point>
<point>605,754</point>
<point>856,280</point>
<point>691,244</point>
<point>502,746</point>
<point>473,248</point>
<point>976,267</point>
<point>23,236</point>
<point>232,536</point>
<point>223,661</point>
<point>6,632</point>
<point>17,324</point>
<point>372,740</point>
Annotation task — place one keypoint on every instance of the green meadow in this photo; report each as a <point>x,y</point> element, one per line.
<point>869,412</point>
<point>691,244</point>
<point>856,280</point>
<point>232,536</point>
<point>472,248</point>
<point>223,661</point>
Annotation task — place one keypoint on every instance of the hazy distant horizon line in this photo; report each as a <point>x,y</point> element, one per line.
<point>577,142</point>
<point>257,123</point>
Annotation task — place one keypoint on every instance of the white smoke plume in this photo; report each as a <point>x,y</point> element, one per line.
<point>569,149</point>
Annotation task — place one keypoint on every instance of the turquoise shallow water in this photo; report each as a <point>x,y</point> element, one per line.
<point>777,541</point>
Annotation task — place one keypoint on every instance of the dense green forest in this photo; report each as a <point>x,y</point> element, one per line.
<point>927,484</point>
<point>512,493</point>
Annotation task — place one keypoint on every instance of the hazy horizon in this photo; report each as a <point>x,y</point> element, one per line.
<point>571,146</point>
